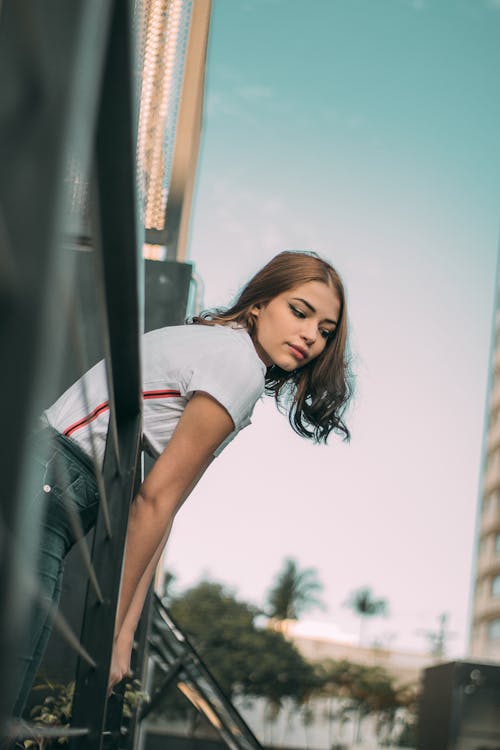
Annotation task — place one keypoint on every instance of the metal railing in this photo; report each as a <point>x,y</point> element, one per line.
<point>75,193</point>
<point>68,73</point>
<point>182,666</point>
<point>68,122</point>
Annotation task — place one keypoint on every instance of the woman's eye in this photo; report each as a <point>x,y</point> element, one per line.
<point>327,334</point>
<point>298,313</point>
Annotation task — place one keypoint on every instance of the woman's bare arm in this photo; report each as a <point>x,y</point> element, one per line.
<point>202,427</point>
<point>134,611</point>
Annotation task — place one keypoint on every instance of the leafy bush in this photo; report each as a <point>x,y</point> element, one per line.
<point>55,710</point>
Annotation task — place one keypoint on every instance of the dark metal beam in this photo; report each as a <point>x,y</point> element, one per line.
<point>170,676</point>
<point>118,236</point>
<point>172,645</point>
<point>49,79</point>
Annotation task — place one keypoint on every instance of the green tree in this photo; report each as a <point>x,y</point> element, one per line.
<point>293,592</point>
<point>359,690</point>
<point>365,605</point>
<point>167,587</point>
<point>374,692</point>
<point>337,684</point>
<point>439,637</point>
<point>244,659</point>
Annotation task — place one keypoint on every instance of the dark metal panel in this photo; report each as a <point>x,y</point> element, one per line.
<point>89,706</point>
<point>47,112</point>
<point>167,291</point>
<point>460,707</point>
<point>117,211</point>
<point>50,85</point>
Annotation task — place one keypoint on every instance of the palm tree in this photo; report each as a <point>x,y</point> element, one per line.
<point>294,592</point>
<point>167,585</point>
<point>438,638</point>
<point>365,605</point>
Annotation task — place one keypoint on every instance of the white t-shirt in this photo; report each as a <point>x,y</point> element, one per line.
<point>176,362</point>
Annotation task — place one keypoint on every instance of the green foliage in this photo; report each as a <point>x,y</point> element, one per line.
<point>364,604</point>
<point>369,685</point>
<point>244,659</point>
<point>362,689</point>
<point>168,587</point>
<point>253,661</point>
<point>294,592</point>
<point>55,709</point>
<point>133,696</point>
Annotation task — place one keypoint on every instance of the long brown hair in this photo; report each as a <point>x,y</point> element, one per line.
<point>315,396</point>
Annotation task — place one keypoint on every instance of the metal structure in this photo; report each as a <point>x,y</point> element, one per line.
<point>69,71</point>
<point>87,175</point>
<point>459,707</point>
<point>74,181</point>
<point>181,665</point>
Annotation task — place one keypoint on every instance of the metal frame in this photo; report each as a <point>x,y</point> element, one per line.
<point>69,90</point>
<point>181,663</point>
<point>49,77</point>
<point>67,75</point>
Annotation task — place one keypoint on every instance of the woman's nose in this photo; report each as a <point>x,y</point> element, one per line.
<point>310,332</point>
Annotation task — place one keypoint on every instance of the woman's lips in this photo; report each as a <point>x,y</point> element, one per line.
<point>297,353</point>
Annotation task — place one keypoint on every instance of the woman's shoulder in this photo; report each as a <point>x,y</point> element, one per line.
<point>227,350</point>
<point>190,330</point>
<point>219,360</point>
<point>204,338</point>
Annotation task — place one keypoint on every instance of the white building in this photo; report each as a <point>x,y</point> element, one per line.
<point>485,626</point>
<point>320,725</point>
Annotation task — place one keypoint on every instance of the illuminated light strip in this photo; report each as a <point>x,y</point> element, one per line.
<point>166,27</point>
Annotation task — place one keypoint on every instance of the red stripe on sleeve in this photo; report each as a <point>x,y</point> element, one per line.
<point>161,394</point>
<point>105,406</point>
<point>86,420</point>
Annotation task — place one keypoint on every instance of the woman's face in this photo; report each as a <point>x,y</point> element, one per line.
<point>293,328</point>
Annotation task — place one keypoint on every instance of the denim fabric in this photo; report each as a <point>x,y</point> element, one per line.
<point>67,485</point>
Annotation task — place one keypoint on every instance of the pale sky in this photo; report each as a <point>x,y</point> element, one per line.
<point>366,130</point>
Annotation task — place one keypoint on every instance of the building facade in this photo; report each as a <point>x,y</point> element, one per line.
<point>485,620</point>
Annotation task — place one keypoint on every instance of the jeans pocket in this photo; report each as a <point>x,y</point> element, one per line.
<point>73,504</point>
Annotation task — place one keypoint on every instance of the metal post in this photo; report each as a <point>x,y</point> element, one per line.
<point>49,78</point>
<point>117,205</point>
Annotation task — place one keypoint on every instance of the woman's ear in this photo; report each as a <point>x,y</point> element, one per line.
<point>255,310</point>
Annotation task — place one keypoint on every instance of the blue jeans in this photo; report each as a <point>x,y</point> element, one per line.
<point>67,485</point>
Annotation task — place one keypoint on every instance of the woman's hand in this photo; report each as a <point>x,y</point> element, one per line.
<point>120,659</point>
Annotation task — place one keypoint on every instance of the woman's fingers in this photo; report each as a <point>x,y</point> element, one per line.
<point>116,676</point>
<point>120,662</point>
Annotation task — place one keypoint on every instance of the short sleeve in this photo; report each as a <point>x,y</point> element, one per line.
<point>232,376</point>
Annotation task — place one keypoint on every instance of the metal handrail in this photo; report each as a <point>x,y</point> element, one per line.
<point>69,95</point>
<point>181,662</point>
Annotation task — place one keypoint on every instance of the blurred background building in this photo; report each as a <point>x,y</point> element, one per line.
<point>485,625</point>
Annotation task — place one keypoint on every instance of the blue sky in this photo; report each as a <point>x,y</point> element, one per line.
<point>368,131</point>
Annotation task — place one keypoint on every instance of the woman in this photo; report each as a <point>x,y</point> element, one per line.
<point>286,335</point>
